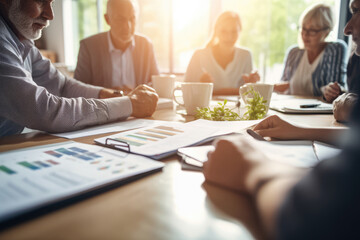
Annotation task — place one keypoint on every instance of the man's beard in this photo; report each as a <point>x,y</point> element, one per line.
<point>23,23</point>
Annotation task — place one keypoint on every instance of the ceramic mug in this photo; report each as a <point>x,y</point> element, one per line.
<point>195,95</point>
<point>264,89</point>
<point>163,85</point>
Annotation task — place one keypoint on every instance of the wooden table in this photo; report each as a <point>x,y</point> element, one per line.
<point>171,204</point>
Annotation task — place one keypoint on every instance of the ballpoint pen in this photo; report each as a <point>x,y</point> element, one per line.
<point>309,105</point>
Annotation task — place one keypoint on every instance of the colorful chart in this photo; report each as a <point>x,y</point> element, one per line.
<point>41,164</point>
<point>77,152</point>
<point>28,165</point>
<point>52,162</point>
<point>55,154</point>
<point>150,135</point>
<point>7,170</point>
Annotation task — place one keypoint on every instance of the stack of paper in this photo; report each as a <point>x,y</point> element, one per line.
<point>37,177</point>
<point>159,141</point>
<point>303,154</point>
<point>294,106</point>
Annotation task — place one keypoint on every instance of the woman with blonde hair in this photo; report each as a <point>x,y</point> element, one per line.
<point>221,61</point>
<point>317,67</point>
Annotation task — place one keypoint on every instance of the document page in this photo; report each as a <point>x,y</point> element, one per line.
<point>224,127</point>
<point>296,153</point>
<point>324,151</point>
<point>35,177</point>
<point>107,128</point>
<point>161,140</point>
<point>299,105</point>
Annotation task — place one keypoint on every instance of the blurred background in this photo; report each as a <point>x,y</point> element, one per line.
<point>178,27</point>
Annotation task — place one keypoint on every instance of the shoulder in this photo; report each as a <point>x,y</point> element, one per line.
<point>242,50</point>
<point>142,40</point>
<point>95,39</point>
<point>10,50</point>
<point>293,54</point>
<point>294,50</point>
<point>338,45</point>
<point>201,53</point>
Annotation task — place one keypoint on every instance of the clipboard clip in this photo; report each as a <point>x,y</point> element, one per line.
<point>118,144</point>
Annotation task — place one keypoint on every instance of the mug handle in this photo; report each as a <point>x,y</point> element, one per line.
<point>174,97</point>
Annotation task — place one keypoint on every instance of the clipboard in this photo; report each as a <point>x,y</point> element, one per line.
<point>40,179</point>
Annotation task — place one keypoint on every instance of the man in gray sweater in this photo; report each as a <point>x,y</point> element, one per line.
<point>34,94</point>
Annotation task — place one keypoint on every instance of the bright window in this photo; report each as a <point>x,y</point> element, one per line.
<point>178,27</point>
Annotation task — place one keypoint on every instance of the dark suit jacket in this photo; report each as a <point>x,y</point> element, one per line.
<point>94,61</point>
<point>353,74</point>
<point>325,204</point>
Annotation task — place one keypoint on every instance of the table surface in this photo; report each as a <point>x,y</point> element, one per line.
<point>170,204</point>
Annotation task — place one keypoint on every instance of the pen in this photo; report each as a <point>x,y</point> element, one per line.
<point>255,135</point>
<point>309,105</point>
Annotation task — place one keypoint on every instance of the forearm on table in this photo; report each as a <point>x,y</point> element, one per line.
<point>331,136</point>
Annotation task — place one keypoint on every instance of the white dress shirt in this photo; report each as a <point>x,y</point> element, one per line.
<point>122,65</point>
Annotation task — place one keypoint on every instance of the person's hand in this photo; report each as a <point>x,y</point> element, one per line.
<point>343,105</point>
<point>251,78</point>
<point>206,78</point>
<point>231,162</point>
<point>125,89</point>
<point>144,100</point>
<point>281,87</point>
<point>332,91</point>
<point>275,127</point>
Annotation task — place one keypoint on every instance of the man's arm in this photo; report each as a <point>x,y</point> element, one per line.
<point>238,165</point>
<point>46,75</point>
<point>40,105</point>
<point>293,203</point>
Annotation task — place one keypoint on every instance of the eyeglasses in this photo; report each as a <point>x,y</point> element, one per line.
<point>311,32</point>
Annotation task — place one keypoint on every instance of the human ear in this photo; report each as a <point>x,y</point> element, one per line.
<point>107,18</point>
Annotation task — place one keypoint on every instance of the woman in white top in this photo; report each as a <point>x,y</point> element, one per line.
<point>221,62</point>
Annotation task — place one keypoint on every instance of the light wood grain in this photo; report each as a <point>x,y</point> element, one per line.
<point>171,204</point>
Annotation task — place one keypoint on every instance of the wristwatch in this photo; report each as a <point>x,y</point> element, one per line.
<point>119,92</point>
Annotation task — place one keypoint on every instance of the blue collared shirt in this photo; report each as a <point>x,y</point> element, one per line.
<point>34,94</point>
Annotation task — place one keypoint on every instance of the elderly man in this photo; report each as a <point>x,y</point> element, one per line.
<point>119,58</point>
<point>296,203</point>
<point>34,94</point>
<point>344,104</point>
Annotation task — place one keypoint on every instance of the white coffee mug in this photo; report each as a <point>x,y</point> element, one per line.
<point>195,95</point>
<point>164,85</point>
<point>265,90</point>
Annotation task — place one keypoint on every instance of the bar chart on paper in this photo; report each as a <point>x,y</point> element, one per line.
<point>159,141</point>
<point>151,135</point>
<point>41,175</point>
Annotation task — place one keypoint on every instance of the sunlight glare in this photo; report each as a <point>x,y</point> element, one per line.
<point>185,12</point>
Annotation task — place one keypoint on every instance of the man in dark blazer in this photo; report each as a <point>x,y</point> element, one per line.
<point>119,58</point>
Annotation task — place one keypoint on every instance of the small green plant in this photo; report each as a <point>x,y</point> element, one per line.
<point>255,106</point>
<point>219,113</point>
